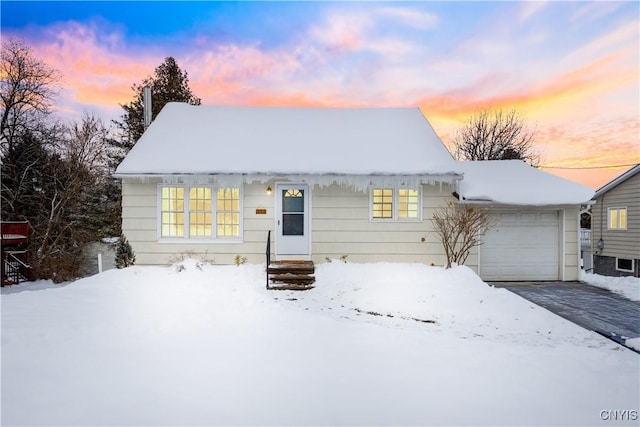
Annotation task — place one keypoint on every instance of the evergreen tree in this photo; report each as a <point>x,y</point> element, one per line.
<point>124,253</point>
<point>168,84</point>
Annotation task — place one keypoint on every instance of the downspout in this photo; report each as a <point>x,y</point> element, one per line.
<point>600,244</point>
<point>146,106</point>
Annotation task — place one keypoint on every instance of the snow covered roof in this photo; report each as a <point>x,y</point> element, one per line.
<point>513,182</point>
<point>617,181</point>
<point>192,140</point>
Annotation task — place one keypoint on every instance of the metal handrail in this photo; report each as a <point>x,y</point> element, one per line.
<point>268,254</point>
<point>18,260</point>
<point>15,268</point>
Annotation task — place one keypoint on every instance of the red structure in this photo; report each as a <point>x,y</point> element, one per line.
<point>14,236</point>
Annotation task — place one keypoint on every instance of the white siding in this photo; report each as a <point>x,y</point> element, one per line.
<point>139,224</point>
<point>339,220</point>
<point>341,226</point>
<point>571,243</point>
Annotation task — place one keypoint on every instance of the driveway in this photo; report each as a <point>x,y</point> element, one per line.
<point>590,307</point>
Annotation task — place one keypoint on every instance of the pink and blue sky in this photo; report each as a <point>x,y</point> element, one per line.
<point>572,68</point>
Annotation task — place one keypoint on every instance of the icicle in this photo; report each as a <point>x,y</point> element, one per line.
<point>360,183</point>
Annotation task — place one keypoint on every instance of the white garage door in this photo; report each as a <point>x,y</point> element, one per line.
<point>521,246</point>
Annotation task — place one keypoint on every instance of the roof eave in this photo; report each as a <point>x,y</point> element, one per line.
<point>489,201</point>
<point>617,181</point>
<point>454,176</point>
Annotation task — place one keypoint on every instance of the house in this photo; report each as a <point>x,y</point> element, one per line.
<point>615,226</point>
<point>362,182</point>
<point>14,237</point>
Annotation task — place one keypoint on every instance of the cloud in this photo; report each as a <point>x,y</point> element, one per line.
<point>94,70</point>
<point>530,9</point>
<point>409,17</point>
<point>587,12</point>
<point>579,94</point>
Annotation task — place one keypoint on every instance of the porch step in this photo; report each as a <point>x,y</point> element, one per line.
<point>291,275</point>
<point>293,267</point>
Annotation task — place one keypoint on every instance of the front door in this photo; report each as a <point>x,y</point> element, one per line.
<point>292,220</point>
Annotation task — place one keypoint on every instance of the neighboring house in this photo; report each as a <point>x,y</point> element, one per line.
<point>362,182</point>
<point>615,226</point>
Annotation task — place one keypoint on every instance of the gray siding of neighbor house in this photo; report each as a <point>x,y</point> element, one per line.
<point>617,243</point>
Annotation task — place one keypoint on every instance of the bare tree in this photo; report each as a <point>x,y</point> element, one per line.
<point>460,228</point>
<point>88,144</point>
<point>54,179</point>
<point>496,135</point>
<point>51,175</point>
<point>27,88</point>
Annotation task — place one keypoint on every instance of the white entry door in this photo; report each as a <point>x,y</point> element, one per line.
<point>292,220</point>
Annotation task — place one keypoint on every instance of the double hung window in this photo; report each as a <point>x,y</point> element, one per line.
<point>617,218</point>
<point>189,212</point>
<point>395,204</point>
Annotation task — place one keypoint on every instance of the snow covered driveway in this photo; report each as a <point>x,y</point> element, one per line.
<point>373,344</point>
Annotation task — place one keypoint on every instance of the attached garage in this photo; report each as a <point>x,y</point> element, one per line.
<point>522,245</point>
<point>535,235</point>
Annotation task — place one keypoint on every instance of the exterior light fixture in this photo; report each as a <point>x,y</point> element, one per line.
<point>269,190</point>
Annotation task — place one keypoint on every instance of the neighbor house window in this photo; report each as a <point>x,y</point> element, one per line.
<point>192,212</point>
<point>400,204</point>
<point>623,264</point>
<point>617,218</point>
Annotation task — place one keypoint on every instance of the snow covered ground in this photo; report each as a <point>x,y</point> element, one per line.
<point>372,344</point>
<point>628,287</point>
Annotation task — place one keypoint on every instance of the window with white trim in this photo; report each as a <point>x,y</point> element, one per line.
<point>624,264</point>
<point>228,212</point>
<point>617,218</point>
<point>408,203</point>
<point>382,203</point>
<point>200,212</point>
<point>189,212</point>
<point>395,204</point>
<point>172,214</point>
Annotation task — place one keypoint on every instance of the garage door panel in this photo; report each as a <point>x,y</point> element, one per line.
<point>528,218</point>
<point>521,246</point>
<point>548,218</point>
